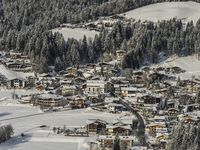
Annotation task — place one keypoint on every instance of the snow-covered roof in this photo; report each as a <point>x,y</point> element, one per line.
<point>50,96</point>
<point>106,137</point>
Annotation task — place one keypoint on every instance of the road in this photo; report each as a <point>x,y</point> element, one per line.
<point>141,125</point>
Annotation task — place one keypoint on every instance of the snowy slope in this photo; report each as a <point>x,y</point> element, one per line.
<point>167,10</point>
<point>9,74</point>
<point>191,64</point>
<point>76,33</point>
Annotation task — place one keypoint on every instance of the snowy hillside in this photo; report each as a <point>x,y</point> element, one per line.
<point>191,64</point>
<point>9,74</point>
<point>166,10</point>
<point>76,33</point>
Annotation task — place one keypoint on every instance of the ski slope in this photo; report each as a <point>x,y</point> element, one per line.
<point>76,33</point>
<point>165,11</point>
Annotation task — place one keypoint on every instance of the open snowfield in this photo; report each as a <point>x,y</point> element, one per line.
<point>190,63</point>
<point>39,139</point>
<point>167,10</point>
<point>76,33</point>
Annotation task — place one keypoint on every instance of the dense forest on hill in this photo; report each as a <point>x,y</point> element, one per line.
<point>25,25</point>
<point>185,137</point>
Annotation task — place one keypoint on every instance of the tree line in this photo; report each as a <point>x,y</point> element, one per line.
<point>25,26</point>
<point>6,132</point>
<point>185,137</point>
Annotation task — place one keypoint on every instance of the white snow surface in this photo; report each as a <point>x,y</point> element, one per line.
<point>9,74</point>
<point>45,139</point>
<point>165,11</point>
<point>76,33</point>
<point>190,63</point>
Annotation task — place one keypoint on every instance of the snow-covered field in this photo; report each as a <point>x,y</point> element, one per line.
<point>167,10</point>
<point>39,139</point>
<point>76,33</point>
<point>190,63</point>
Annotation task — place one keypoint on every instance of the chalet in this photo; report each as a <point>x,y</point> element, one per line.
<point>19,66</point>
<point>40,87</point>
<point>45,76</point>
<point>162,138</point>
<point>46,101</point>
<point>104,65</point>
<point>129,91</point>
<point>129,120</point>
<point>95,87</point>
<point>13,65</point>
<point>149,99</point>
<point>114,107</point>
<point>120,55</point>
<point>138,73</point>
<point>138,79</point>
<point>77,102</point>
<point>146,69</point>
<point>158,119</point>
<point>69,76</point>
<point>158,69</point>
<point>3,80</point>
<point>106,141</point>
<point>15,55</point>
<point>153,126</point>
<point>96,125</point>
<point>80,80</point>
<point>172,112</point>
<point>190,108</point>
<point>157,76</point>
<point>127,141</point>
<point>176,70</point>
<point>189,119</point>
<point>139,148</point>
<point>120,130</point>
<point>95,99</point>
<point>66,82</point>
<point>91,66</point>
<point>25,100</point>
<point>118,84</point>
<point>71,70</point>
<point>172,104</point>
<point>68,90</point>
<point>88,75</point>
<point>111,100</point>
<point>17,83</point>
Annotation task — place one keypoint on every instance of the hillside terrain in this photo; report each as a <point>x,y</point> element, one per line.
<point>190,64</point>
<point>189,11</point>
<point>25,26</point>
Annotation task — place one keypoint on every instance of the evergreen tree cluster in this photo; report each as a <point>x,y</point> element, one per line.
<point>5,132</point>
<point>185,137</point>
<point>25,26</point>
<point>169,37</point>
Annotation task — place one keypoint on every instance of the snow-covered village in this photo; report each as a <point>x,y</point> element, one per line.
<point>126,80</point>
